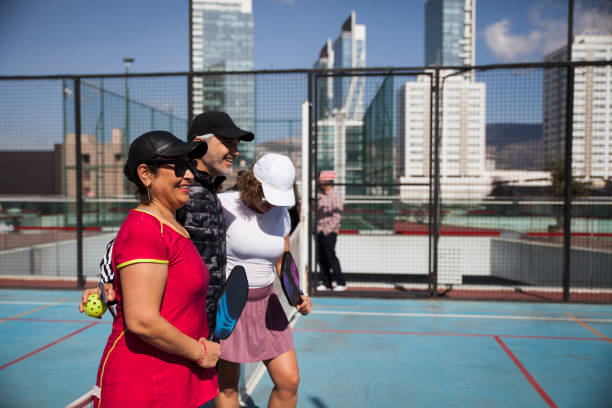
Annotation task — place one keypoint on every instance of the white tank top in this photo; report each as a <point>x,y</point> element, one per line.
<point>254,240</point>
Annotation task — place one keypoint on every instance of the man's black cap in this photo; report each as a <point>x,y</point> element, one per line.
<point>159,144</point>
<point>219,124</point>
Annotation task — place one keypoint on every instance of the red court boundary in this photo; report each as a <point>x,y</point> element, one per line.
<point>526,373</point>
<point>26,319</point>
<point>38,350</point>
<point>497,338</point>
<point>32,228</point>
<point>402,333</point>
<point>475,232</point>
<point>67,283</point>
<point>421,230</point>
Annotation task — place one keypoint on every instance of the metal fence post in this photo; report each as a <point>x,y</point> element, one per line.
<point>313,95</point>
<point>569,122</point>
<point>434,226</point>
<point>79,181</point>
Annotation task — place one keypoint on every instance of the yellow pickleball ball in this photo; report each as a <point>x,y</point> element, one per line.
<point>94,307</point>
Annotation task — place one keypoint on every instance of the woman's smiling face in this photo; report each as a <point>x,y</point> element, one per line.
<point>169,189</point>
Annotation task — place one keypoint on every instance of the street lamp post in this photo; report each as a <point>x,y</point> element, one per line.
<point>126,130</point>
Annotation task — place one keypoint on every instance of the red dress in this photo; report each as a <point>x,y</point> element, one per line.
<point>132,373</point>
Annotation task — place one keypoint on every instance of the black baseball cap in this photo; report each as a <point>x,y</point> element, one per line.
<point>159,144</point>
<point>219,124</point>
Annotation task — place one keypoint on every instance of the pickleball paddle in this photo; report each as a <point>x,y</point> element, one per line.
<point>290,280</point>
<point>230,303</point>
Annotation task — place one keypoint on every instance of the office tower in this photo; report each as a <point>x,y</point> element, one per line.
<point>450,32</point>
<point>592,119</point>
<point>350,52</point>
<point>343,94</point>
<point>325,88</point>
<point>378,152</point>
<point>340,105</point>
<point>222,40</point>
<point>462,127</point>
<point>449,41</point>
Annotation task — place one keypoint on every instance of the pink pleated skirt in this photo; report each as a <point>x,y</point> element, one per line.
<point>262,332</point>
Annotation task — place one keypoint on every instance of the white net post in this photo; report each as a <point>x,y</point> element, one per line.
<point>302,261</point>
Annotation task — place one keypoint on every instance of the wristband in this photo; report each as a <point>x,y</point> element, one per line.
<point>201,360</point>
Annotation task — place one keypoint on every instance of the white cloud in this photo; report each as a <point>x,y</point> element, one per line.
<point>287,1</point>
<point>509,47</point>
<point>552,31</point>
<point>547,33</point>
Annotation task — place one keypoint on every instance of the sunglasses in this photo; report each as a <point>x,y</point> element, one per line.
<point>180,165</point>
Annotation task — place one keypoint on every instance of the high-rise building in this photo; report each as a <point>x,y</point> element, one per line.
<point>340,104</point>
<point>462,127</point>
<point>450,32</point>
<point>378,142</point>
<point>325,88</point>
<point>339,143</point>
<point>222,40</point>
<point>592,119</point>
<point>449,41</point>
<point>350,52</point>
<point>345,93</point>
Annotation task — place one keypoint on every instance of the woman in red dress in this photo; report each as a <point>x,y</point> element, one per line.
<point>157,354</point>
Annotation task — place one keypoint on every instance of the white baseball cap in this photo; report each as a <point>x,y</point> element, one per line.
<point>276,174</point>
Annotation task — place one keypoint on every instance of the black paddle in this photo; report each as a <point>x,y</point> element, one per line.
<point>290,280</point>
<point>230,303</point>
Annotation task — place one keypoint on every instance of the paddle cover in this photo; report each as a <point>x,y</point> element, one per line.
<point>230,303</point>
<point>290,280</point>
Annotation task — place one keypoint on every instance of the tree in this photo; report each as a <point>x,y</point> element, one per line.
<point>557,176</point>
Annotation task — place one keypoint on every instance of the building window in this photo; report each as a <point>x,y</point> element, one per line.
<point>85,158</point>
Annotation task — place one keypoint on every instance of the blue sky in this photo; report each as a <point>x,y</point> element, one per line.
<point>73,37</point>
<point>39,37</point>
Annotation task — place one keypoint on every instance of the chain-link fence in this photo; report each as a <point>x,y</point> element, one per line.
<point>64,142</point>
<point>453,181</point>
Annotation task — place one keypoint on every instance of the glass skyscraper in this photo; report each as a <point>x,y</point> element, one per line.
<point>325,88</point>
<point>222,40</point>
<point>350,52</point>
<point>449,32</point>
<point>340,101</point>
<point>449,41</point>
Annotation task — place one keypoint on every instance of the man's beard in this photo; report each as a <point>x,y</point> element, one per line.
<point>227,172</point>
<point>222,170</point>
<point>219,170</point>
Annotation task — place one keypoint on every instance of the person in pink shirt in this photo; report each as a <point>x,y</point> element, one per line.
<point>329,216</point>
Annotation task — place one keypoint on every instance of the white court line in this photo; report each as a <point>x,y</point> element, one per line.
<point>461,316</point>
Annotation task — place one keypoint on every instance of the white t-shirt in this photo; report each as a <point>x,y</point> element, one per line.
<point>254,240</point>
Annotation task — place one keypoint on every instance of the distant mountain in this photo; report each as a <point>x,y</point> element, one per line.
<point>527,155</point>
<point>515,146</point>
<point>501,134</point>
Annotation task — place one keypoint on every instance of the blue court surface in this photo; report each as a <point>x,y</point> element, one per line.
<point>352,353</point>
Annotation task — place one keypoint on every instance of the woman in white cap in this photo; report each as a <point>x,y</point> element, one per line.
<point>258,224</point>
